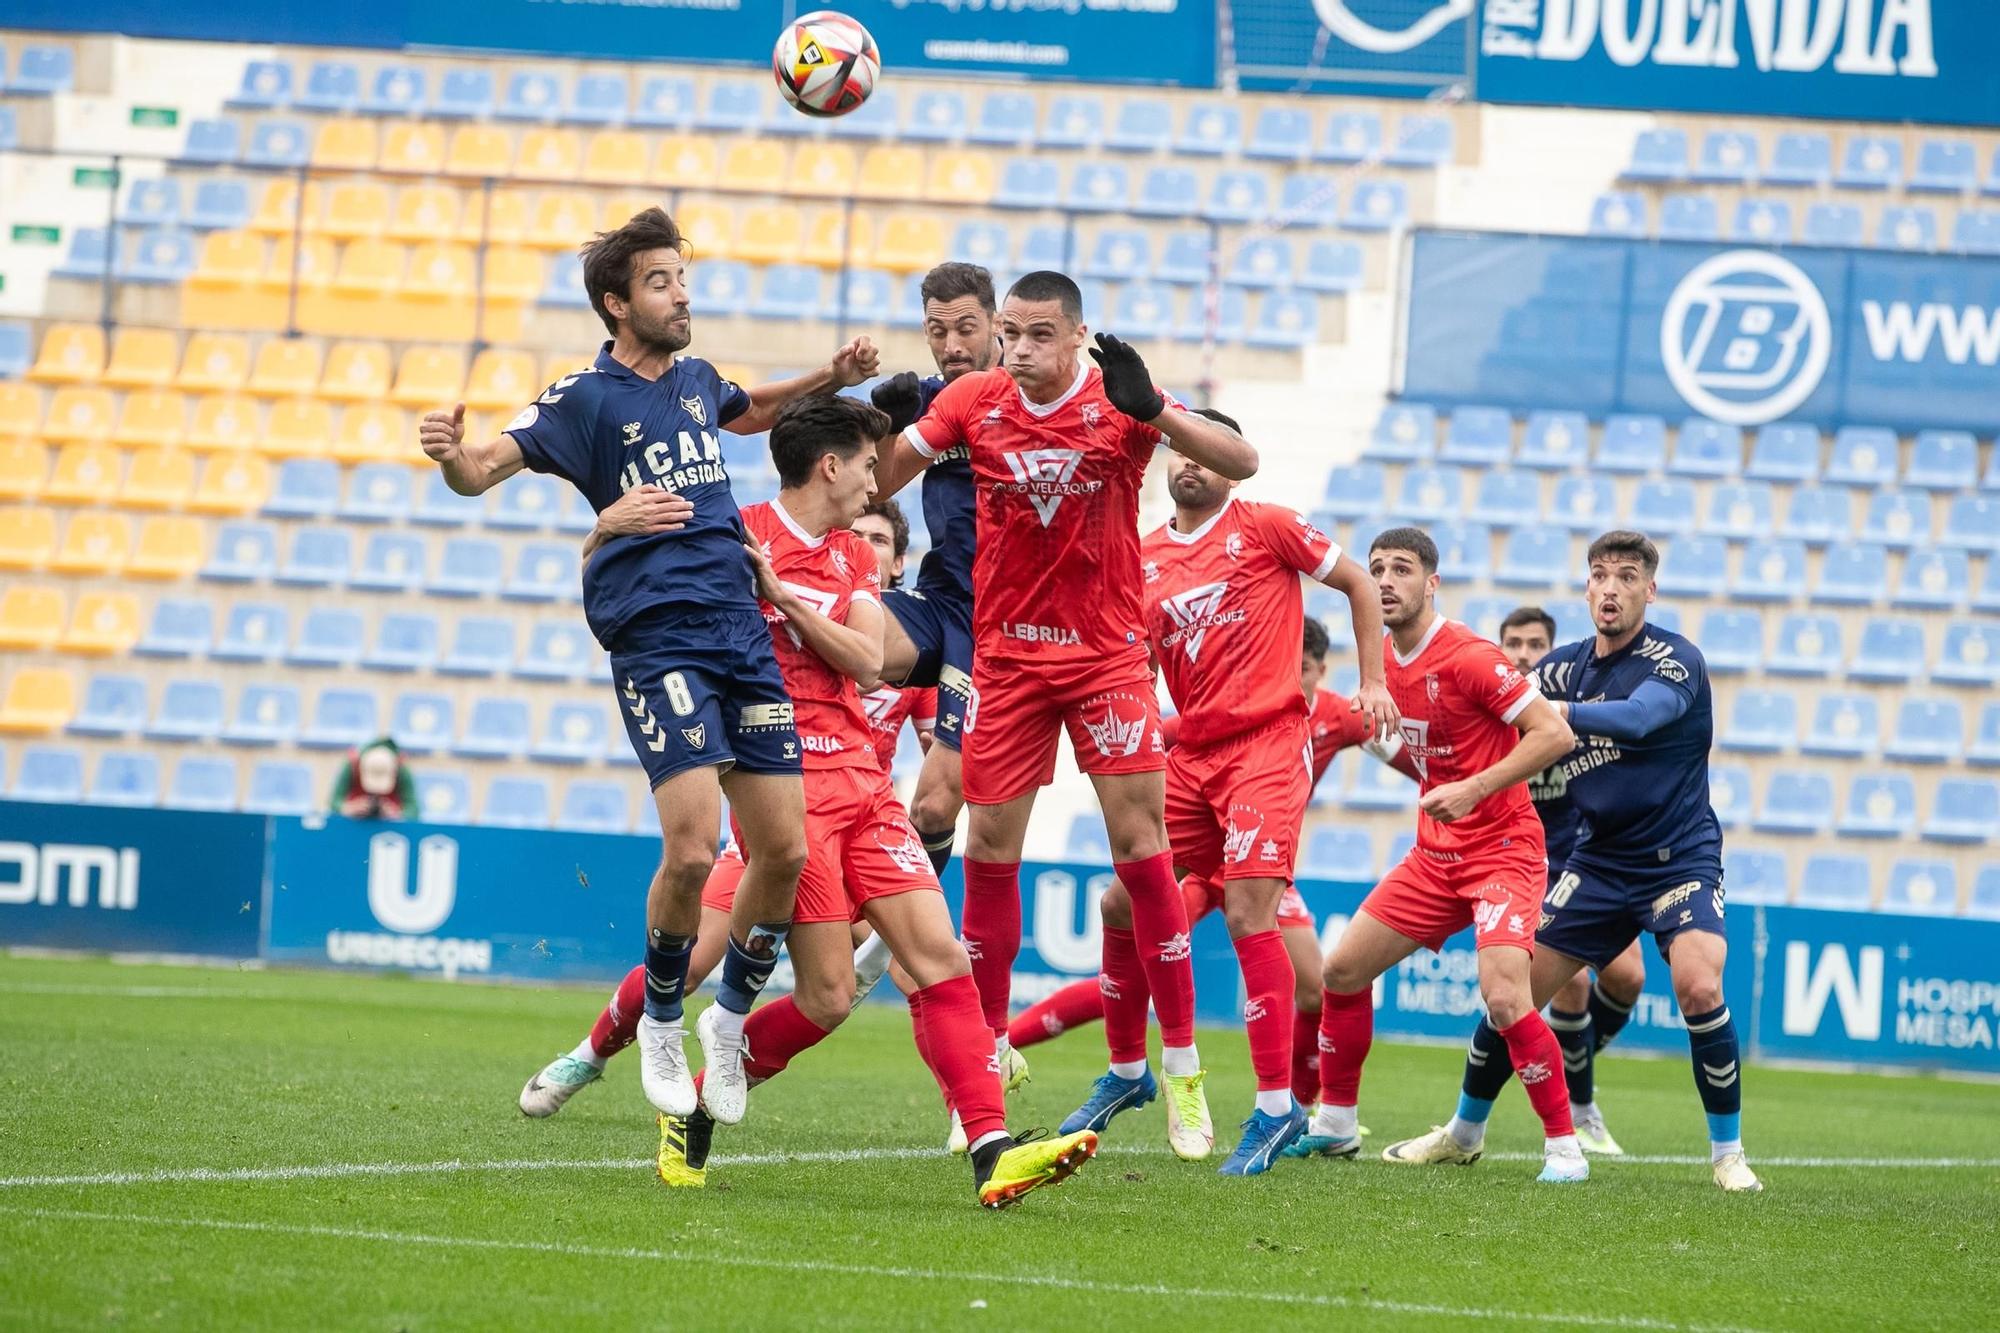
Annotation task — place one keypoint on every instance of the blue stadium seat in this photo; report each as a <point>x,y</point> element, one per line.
<point>1237,196</point>
<point>1689,217</point>
<point>1340,854</point>
<point>1308,199</point>
<point>14,350</point>
<point>1966,810</point>
<point>1554,441</point>
<point>1841,883</point>
<point>1987,596</point>
<point>243,552</point>
<point>319,558</point>
<point>406,642</point>
<point>439,506</point>
<point>1356,490</point>
<point>1507,499</point>
<point>377,493</point>
<point>332,87</point>
<point>1856,575</point>
<point>1704,448</point>
<point>1817,515</point>
<point>1898,518</point>
<point>1087,840</point>
<point>1772,571</point>
<point>1144,310</point>
<point>1465,547</point>
<point>1757,878</point>
<point>328,637</point>
<point>1376,206</point>
<point>305,488</point>
<point>1728,157</point>
<point>983,243</point>
<point>1985,748</point>
<point>151,201</point>
<point>1231,317</point>
<point>557,650</point>
<point>1431,494</point>
<point>1260,262</point>
<point>788,292</point>
<point>1284,320</point>
<point>597,99</point>
<point>1732,642</point>
<point>211,142</point>
<point>1119,254</point>
<point>1944,166</point>
<point>469,567</point>
<point>666,102</point>
<point>49,773</point>
<point>1658,155</point>
<point>572,734</point>
<point>255,632</point>
<point>464,94</point>
<point>1879,805</point>
<point>480,647</point>
<point>201,783</point>
<point>396,90</point>
<point>1863,456</point>
<point>341,720</point>
<point>1891,651</point>
<point>160,256</point>
<point>1741,511</point>
<point>495,729</point>
<point>279,144</point>
<point>1785,451</point>
<point>1049,247</point>
<point>525,504</point>
<point>532,95</point>
<point>1973,524</point>
<point>112,706</point>
<point>1185,258</point>
<point>1480,435</point>
<point>1028,182</point>
<point>190,710</point>
<point>125,779</point>
<point>1976,231</point>
<point>1943,460</point>
<point>1008,120</point>
<point>421,723</point>
<point>266,86</point>
<point>1484,614</point>
<point>1808,645</point>
<point>1907,228</point>
<point>722,285</point>
<point>265,715</point>
<point>517,803</point>
<point>1833,225</point>
<point>1534,558</point>
<point>281,789</point>
<point>867,296</point>
<point>1761,722</point>
<point>1421,141</point>
<point>390,562</point>
<point>1379,787</point>
<point>1933,580</point>
<point>1729,793</point>
<point>10,128</point>
<point>719,285</point>
<point>1845,725</point>
<point>594,807</point>
<point>937,115</point>
<point>444,796</point>
<point>1922,888</point>
<point>1632,444</point>
<point>1331,266</point>
<point>1795,801</point>
<point>1695,567</point>
<point>88,258</point>
<point>1761,221</point>
<point>1351,137</point>
<point>1985,900</point>
<point>1663,507</point>
<point>1928,730</point>
<point>1405,432</point>
<point>1619,213</point>
<point>1210,130</point>
<point>1583,503</point>
<point>1871,162</point>
<point>1280,134</point>
<point>1970,655</point>
<point>1143,125</point>
<point>1098,187</point>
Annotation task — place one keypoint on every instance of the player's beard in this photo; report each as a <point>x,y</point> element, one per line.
<point>1626,623</point>
<point>666,336</point>
<point>1193,491</point>
<point>1402,614</point>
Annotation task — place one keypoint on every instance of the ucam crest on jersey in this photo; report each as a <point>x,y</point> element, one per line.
<point>1045,476</point>
<point>1745,337</point>
<point>696,409</point>
<point>1192,613</point>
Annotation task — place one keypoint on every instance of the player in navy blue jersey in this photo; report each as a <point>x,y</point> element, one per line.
<point>670,594</point>
<point>1648,854</point>
<point>1588,1011</point>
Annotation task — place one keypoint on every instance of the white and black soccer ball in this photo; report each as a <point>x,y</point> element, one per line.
<point>826,63</point>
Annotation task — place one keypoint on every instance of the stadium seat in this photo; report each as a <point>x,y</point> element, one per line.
<point>377,493</point>
<point>444,797</point>
<point>1421,141</point>
<point>469,567</point>
<point>27,538</point>
<point>1976,231</point>
<point>345,143</point>
<point>1944,166</point>
<point>124,779</point>
<point>594,807</point>
<point>1795,802</point>
<point>1965,810</point>
<point>1891,651</point>
<point>1658,155</point>
<point>1534,558</point>
<point>1087,840</point>
<point>169,547</point>
<point>1144,310</point>
<point>38,699</point>
<point>479,647</point>
<point>278,788</point>
<point>1007,120</point>
<point>1761,222</point>
<point>1985,900</point>
<point>219,205</point>
<point>1771,571</point>
<point>15,348</point>
<point>788,292</point>
<point>479,150</point>
<point>1704,448</point>
<point>1833,224</point>
<point>1973,524</point>
<point>265,715</point>
<point>85,474</point>
<point>69,354</point>
<point>1376,206</point>
<point>572,734</point>
<point>244,552</point>
<point>543,572</point>
<point>78,413</point>
<point>1695,567</point>
<point>342,719</point>
<point>1817,515</point>
<point>24,469</point>
<point>319,557</point>
<point>1761,722</point>
<point>1863,456</point>
<point>403,642</point>
<point>142,359</point>
<point>1619,214</point>
<point>178,629</point>
<point>1871,162</point>
<point>1784,452</point>
<point>1907,229</point>
<point>1477,435</point>
<point>1632,444</point>
<point>1431,494</point>
<point>1554,441</point>
<point>1732,641</point>
<point>937,115</point>
<point>1856,575</point>
<point>1841,883</point>
<point>1933,580</point>
<point>1984,751</point>
<point>464,94</point>
<point>1689,217</point>
<point>526,504</point>
<point>49,773</point>
<point>203,784</point>
<point>152,418</point>
<point>495,729</point>
<point>1808,645</point>
<point>1507,499</point>
<point>1284,320</point>
<point>420,724</point>
<point>1143,125</point>
<point>396,90</point>
<point>596,99</point>
<point>1879,805</point>
<point>557,650</point>
<point>421,150</point>
<point>266,86</point>
<point>1098,187</point>
<point>327,637</point>
<point>1351,137</point>
<point>1940,460</point>
<point>516,803</point>
<point>1921,888</point>
<point>1379,787</point>
<point>532,95</point>
<point>1970,654</point>
<point>1757,878</point>
<point>1405,432</point>
<point>1727,157</point>
<point>1280,134</point>
<point>1927,731</point>
<point>1356,491</point>
<point>277,144</point>
<point>211,142</point>
<point>93,543</point>
<point>1234,196</point>
<point>1664,507</point>
<point>254,632</point>
<point>112,706</point>
<point>1209,130</point>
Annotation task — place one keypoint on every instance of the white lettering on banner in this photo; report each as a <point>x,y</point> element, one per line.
<point>398,906</point>
<point>1946,1012</point>
<point>40,873</point>
<point>1787,36</point>
<point>1357,32</point>
<point>1745,337</point>
<point>1809,983</point>
<point>417,953</point>
<point>1439,983</point>
<point>1900,331</point>
<point>1057,939</point>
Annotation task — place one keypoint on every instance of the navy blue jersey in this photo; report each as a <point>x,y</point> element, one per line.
<point>946,571</point>
<point>1644,801</point>
<point>1549,790</point>
<point>606,430</point>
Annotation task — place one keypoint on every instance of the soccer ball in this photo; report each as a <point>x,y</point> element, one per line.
<point>826,63</point>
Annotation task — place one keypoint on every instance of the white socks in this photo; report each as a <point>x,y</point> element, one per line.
<point>1336,1122</point>
<point>1718,1151</point>
<point>588,1054</point>
<point>1465,1133</point>
<point>1275,1101</point>
<point>1180,1061</point>
<point>1564,1146</point>
<point>990,1136</point>
<point>1128,1070</point>
<point>728,1022</point>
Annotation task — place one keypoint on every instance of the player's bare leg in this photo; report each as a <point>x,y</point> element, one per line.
<point>1250,909</point>
<point>1366,950</point>
<point>690,808</point>
<point>1302,946</point>
<point>1695,958</point>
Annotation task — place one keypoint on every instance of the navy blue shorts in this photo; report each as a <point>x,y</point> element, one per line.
<point>700,686</point>
<point>941,628</point>
<point>1593,912</point>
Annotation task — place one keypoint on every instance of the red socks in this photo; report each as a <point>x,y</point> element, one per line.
<point>993,934</point>
<point>958,1046</point>
<point>1538,1062</point>
<point>1267,1010</point>
<point>923,1040</point>
<point>1160,927</point>
<point>1305,1057</point>
<point>1074,1005</point>
<point>1123,993</point>
<point>1346,1031</point>
<point>618,1025</point>
<point>773,1034</point>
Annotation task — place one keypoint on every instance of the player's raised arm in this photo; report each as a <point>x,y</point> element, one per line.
<point>853,649</point>
<point>898,462</point>
<point>855,363</point>
<point>1129,386</point>
<point>469,469</point>
<point>1545,738</point>
<point>1350,579</point>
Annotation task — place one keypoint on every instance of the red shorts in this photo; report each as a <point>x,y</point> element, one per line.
<point>1018,709</point>
<point>1204,895</point>
<point>1496,890</point>
<point>720,890</point>
<point>859,845</point>
<point>1235,808</point>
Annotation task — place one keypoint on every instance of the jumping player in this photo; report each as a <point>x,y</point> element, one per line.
<point>671,598</point>
<point>1648,856</point>
<point>887,532</point>
<point>1476,729</point>
<point>1058,449</point>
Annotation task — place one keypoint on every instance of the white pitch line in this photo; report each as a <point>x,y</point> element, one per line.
<point>140,992</point>
<point>722,1258</point>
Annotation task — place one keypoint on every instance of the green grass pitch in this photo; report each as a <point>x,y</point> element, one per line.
<point>151,1115</point>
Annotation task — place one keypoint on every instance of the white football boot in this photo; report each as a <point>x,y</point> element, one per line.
<point>663,1067</point>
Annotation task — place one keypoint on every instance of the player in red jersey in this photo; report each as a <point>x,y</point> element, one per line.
<point>1476,729</point>
<point>1058,451</point>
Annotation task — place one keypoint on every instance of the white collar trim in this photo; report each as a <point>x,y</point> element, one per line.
<point>1050,409</point>
<point>1190,538</point>
<point>792,524</point>
<point>1422,643</point>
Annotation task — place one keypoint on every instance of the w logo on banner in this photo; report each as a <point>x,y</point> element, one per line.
<point>1745,337</point>
<point>1404,35</point>
<point>1044,475</point>
<point>1192,610</point>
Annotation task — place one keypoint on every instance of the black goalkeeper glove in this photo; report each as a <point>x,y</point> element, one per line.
<point>1127,382</point>
<point>898,396</point>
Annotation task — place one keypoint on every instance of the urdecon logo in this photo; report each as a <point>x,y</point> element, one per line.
<point>409,912</point>
<point>1745,337</point>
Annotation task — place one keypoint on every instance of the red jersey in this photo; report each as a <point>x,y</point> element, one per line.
<point>889,706</point>
<point>1459,696</point>
<point>1056,576</point>
<point>1335,727</point>
<point>829,573</point>
<point>1225,614</point>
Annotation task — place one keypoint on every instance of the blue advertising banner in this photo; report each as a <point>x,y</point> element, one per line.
<point>1385,48</point>
<point>102,877</point>
<point>1100,41</point>
<point>637,30</point>
<point>1732,333</point>
<point>1935,61</point>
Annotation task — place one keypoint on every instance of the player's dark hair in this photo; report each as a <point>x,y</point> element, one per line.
<point>1414,540</point>
<point>1047,285</point>
<point>1530,615</point>
<point>607,260</point>
<point>1222,417</point>
<point>810,428</point>
<point>1317,642</point>
<point>1623,544</point>
<point>899,527</point>
<point>952,280</point>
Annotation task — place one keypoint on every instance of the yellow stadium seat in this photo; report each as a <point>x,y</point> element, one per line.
<point>287,366</point>
<point>892,173</point>
<point>416,149</point>
<point>560,366</point>
<point>682,158</point>
<point>31,617</point>
<point>78,413</point>
<point>216,362</point>
<point>225,288</point>
<point>356,371</point>
<point>620,209</point>
<point>429,376</point>
<point>297,428</point>
<point>152,417</point>
<point>231,257</point>
<point>20,409</point>
<point>70,354</point>
<point>224,423</point>
<point>822,169</point>
<point>427,213</point>
<point>552,155</point>
<point>105,624</point>
<point>756,164</point>
<point>27,537</point>
<point>563,220</point>
<point>142,359</point>
<point>311,271</point>
<point>514,273</point>
<point>910,241</point>
<point>355,209</point>
<point>710,228</point>
<point>962,178</point>
<point>770,234</point>
<point>614,157</point>
<point>280,211</point>
<point>86,474</point>
<point>736,373</point>
<point>24,465</point>
<point>834,238</point>
<point>170,547</point>
<point>159,479</point>
<point>38,699</point>
<point>345,143</point>
<point>94,543</point>
<point>507,213</point>
<point>479,150</point>
<point>371,433</point>
<point>234,484</point>
<point>500,381</point>
<point>441,272</point>
<point>370,268</point>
